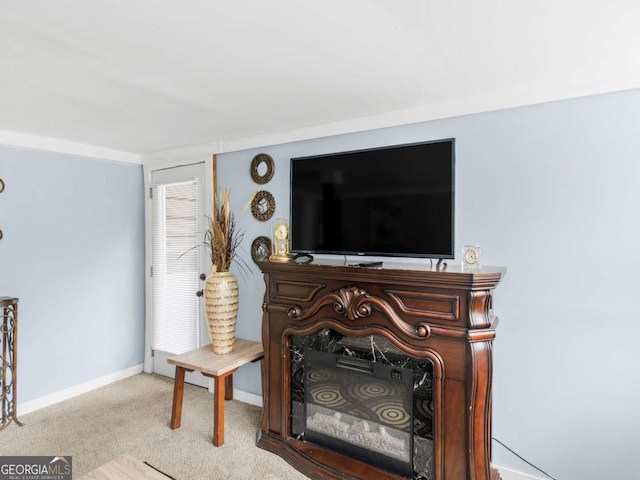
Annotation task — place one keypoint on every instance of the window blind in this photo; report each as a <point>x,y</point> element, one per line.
<point>175,260</point>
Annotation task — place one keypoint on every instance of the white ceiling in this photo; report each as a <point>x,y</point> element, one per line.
<point>145,75</point>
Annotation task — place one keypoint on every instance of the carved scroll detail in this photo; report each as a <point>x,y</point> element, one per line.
<point>354,303</point>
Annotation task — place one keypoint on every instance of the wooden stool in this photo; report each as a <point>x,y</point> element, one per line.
<point>218,367</point>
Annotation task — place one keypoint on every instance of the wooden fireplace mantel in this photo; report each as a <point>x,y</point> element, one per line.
<point>445,316</point>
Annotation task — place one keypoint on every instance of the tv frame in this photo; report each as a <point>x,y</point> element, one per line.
<point>450,255</point>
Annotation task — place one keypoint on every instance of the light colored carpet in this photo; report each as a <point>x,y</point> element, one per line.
<point>132,416</point>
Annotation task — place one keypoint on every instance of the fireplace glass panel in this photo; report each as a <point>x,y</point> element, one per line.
<point>369,353</point>
<point>361,408</point>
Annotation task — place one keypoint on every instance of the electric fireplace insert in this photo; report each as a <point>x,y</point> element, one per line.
<point>363,397</point>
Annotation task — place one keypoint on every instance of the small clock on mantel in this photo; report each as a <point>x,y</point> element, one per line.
<point>280,241</point>
<point>471,256</point>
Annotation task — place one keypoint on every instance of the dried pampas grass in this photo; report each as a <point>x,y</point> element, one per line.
<point>222,238</point>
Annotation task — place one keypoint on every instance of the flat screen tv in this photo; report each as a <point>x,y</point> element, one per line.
<point>391,201</point>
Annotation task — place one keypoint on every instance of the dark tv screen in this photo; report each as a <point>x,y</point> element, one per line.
<point>392,201</point>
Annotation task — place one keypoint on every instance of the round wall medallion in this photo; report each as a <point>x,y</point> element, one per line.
<point>261,249</point>
<point>257,161</point>
<point>263,205</point>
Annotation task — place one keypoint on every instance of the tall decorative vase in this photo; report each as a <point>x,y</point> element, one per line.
<point>221,298</point>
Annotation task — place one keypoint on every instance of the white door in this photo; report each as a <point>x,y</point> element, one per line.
<point>178,260</point>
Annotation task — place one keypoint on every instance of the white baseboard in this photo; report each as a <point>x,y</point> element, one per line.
<point>67,393</point>
<point>508,474</point>
<point>247,397</point>
<point>47,400</point>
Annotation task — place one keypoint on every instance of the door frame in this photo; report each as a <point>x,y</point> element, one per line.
<point>161,163</point>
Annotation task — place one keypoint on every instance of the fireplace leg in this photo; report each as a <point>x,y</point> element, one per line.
<point>495,475</point>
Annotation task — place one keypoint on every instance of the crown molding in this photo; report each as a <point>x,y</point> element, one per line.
<point>490,102</point>
<point>48,144</point>
<point>183,155</point>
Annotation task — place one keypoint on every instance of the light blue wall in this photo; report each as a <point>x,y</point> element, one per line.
<point>552,192</point>
<point>73,252</point>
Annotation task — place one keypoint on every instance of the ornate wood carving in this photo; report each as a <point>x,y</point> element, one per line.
<point>444,316</point>
<point>355,303</point>
<point>429,305</point>
<point>296,291</point>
